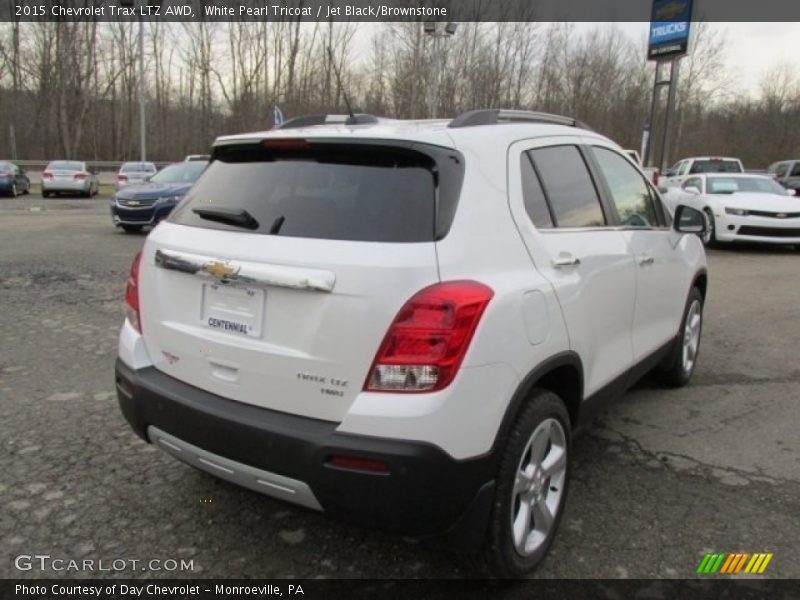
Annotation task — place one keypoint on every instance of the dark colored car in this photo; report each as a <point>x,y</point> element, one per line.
<point>137,206</point>
<point>13,180</point>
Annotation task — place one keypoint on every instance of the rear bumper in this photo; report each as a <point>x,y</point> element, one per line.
<point>426,492</point>
<point>66,186</point>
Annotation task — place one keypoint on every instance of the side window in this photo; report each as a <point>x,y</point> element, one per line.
<point>795,170</point>
<point>693,182</point>
<point>533,195</point>
<point>781,170</point>
<point>568,187</point>
<point>629,191</point>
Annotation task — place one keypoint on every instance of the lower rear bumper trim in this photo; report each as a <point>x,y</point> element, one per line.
<point>271,484</point>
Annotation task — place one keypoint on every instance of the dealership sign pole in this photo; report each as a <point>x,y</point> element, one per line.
<point>668,42</point>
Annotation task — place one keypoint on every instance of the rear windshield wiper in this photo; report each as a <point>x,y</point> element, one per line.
<point>238,217</point>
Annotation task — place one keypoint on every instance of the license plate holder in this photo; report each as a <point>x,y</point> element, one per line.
<point>233,309</point>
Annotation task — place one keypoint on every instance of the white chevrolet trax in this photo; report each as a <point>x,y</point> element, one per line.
<point>403,323</point>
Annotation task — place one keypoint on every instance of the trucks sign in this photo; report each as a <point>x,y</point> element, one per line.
<point>669,28</point>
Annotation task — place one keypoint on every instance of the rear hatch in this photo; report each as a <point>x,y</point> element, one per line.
<point>276,278</point>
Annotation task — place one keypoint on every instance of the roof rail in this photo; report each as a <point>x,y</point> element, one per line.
<point>323,119</point>
<point>493,116</point>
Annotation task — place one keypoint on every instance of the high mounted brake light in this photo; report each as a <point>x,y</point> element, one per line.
<point>285,144</point>
<point>428,338</point>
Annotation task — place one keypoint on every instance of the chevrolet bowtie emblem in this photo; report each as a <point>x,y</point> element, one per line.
<point>781,215</point>
<point>133,203</point>
<point>219,269</point>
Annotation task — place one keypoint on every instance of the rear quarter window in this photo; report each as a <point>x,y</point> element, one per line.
<point>355,192</point>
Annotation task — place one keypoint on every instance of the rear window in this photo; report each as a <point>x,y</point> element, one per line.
<point>138,168</point>
<point>179,173</point>
<point>356,192</point>
<point>65,165</point>
<point>715,166</point>
<point>4,166</point>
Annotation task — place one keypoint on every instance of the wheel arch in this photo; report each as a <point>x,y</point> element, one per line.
<point>561,374</point>
<point>700,281</point>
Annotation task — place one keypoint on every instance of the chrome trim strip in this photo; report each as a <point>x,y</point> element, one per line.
<point>264,482</point>
<point>299,278</point>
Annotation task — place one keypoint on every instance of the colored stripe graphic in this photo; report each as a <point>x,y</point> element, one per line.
<point>732,563</point>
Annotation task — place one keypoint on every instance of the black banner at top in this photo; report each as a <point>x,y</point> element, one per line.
<point>384,10</point>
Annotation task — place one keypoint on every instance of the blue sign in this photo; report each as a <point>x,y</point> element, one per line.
<point>669,28</point>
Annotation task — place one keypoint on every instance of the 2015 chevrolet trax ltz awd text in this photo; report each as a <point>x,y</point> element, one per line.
<point>402,323</point>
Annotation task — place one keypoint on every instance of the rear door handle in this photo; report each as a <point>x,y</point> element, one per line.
<point>645,259</point>
<point>566,260</point>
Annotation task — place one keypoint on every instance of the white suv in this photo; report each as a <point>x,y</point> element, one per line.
<point>402,323</point>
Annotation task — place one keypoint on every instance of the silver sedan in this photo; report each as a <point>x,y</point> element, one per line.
<point>69,177</point>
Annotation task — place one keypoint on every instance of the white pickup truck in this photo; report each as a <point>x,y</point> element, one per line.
<point>697,165</point>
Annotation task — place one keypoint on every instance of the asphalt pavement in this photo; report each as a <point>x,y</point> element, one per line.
<point>662,478</point>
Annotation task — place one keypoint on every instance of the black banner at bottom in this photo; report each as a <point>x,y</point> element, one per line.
<point>327,589</point>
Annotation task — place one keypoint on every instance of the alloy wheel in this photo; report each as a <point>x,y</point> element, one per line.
<point>691,336</point>
<point>538,487</point>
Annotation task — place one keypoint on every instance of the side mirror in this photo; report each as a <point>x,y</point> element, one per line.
<point>691,190</point>
<point>689,220</point>
<point>668,173</point>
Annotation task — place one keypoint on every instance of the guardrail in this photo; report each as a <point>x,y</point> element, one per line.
<point>100,165</point>
<point>106,169</point>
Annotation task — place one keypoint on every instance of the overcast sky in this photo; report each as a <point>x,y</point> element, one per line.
<point>752,48</point>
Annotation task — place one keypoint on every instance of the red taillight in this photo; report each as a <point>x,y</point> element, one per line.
<point>358,463</point>
<point>4,174</point>
<point>80,176</point>
<point>122,178</point>
<point>47,175</point>
<point>656,175</point>
<point>132,294</point>
<point>428,338</point>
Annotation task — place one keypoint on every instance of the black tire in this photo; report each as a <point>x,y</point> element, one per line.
<point>499,556</point>
<point>131,228</point>
<point>710,239</point>
<point>673,371</point>
<point>45,194</point>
